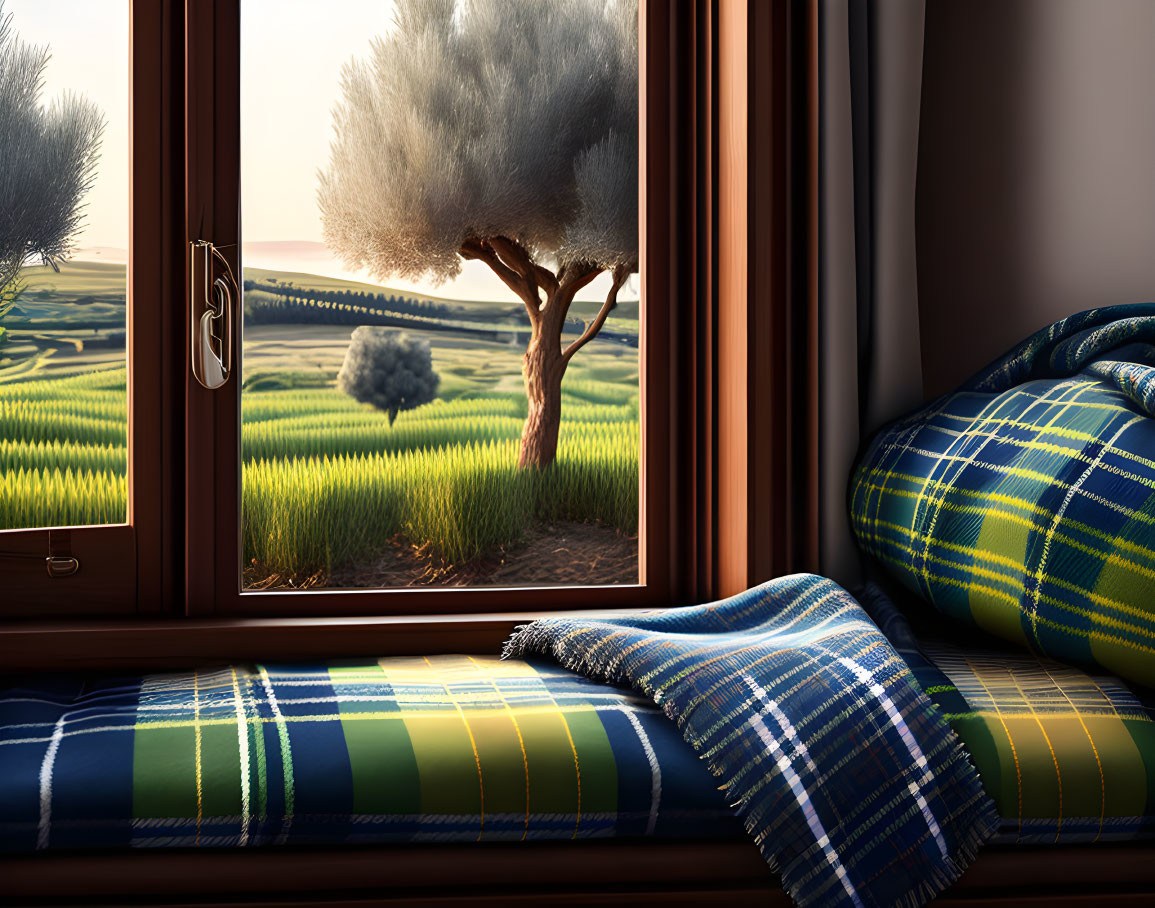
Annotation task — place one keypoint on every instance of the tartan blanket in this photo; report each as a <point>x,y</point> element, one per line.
<point>1024,504</point>
<point>444,748</point>
<point>1067,756</point>
<point>850,782</point>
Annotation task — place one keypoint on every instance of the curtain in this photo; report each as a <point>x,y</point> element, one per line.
<point>869,365</point>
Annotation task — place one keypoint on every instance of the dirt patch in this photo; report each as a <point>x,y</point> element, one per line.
<point>255,580</point>
<point>569,554</point>
<point>555,554</point>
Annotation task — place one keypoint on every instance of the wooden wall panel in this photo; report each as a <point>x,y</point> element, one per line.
<point>736,407</point>
<point>763,314</point>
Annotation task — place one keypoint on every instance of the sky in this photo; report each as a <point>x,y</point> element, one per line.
<point>291,57</point>
<point>292,52</point>
<point>89,44</point>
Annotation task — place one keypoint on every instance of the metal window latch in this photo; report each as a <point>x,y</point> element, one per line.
<point>212,311</point>
<point>61,566</point>
<point>60,562</point>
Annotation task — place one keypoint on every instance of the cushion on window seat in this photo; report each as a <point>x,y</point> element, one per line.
<point>1024,503</point>
<point>461,748</point>
<point>445,748</point>
<point>1067,756</point>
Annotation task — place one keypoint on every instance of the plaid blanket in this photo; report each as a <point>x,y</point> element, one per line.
<point>849,780</point>
<point>448,748</point>
<point>1067,756</point>
<point>1025,503</point>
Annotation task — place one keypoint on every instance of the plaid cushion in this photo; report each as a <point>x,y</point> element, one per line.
<point>1067,756</point>
<point>445,748</point>
<point>1025,503</point>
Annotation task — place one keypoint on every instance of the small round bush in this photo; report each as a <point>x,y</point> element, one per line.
<point>388,369</point>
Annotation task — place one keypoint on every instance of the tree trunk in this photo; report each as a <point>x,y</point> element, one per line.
<point>545,361</point>
<point>544,368</point>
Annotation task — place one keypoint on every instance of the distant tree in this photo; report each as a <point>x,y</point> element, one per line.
<point>389,370</point>
<point>48,161</point>
<point>503,131</point>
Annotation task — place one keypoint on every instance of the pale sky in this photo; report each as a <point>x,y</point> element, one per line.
<point>291,58</point>
<point>292,52</point>
<point>89,44</point>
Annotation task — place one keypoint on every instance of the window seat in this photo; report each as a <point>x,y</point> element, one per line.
<point>480,775</point>
<point>460,748</point>
<point>403,749</point>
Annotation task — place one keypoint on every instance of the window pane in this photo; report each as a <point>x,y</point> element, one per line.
<point>439,209</point>
<point>64,132</point>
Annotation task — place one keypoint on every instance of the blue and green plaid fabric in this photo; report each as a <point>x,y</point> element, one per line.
<point>1068,756</point>
<point>445,748</point>
<point>1025,503</point>
<point>848,779</point>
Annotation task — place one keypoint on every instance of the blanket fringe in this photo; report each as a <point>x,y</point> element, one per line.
<point>545,639</point>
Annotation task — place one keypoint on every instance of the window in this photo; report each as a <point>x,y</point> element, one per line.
<point>718,446</point>
<point>79,440</point>
<point>439,374</point>
<point>63,287</point>
<point>325,497</point>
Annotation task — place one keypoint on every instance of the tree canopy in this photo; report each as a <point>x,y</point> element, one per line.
<point>476,119</point>
<point>389,370</point>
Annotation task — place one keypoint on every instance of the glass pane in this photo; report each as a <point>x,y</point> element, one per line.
<point>441,314</point>
<point>64,82</point>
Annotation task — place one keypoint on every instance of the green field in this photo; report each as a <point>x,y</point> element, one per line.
<point>326,480</point>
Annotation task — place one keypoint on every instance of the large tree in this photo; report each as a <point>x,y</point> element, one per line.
<point>503,131</point>
<point>48,158</point>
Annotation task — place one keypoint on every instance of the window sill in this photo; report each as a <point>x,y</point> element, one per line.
<point>117,644</point>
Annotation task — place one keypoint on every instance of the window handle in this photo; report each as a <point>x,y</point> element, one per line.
<point>212,309</point>
<point>59,561</point>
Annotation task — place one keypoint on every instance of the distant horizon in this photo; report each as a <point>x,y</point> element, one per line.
<point>313,258</point>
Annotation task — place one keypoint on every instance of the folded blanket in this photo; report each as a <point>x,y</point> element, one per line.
<point>851,783</point>
<point>1024,503</point>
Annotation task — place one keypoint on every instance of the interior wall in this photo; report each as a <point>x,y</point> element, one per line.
<point>1036,171</point>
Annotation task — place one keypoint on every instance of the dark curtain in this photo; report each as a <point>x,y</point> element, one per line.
<point>869,369</point>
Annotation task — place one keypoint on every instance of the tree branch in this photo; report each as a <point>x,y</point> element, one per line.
<point>591,331</point>
<point>546,278</point>
<point>517,258</point>
<point>483,251</point>
<point>576,276</point>
<point>585,274</point>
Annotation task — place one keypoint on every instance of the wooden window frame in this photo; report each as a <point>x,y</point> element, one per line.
<point>127,568</point>
<point>213,205</point>
<point>729,214</point>
<point>755,351</point>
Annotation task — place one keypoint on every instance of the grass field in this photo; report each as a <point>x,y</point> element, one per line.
<point>326,480</point>
<point>335,486</point>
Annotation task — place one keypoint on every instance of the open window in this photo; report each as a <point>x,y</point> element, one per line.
<point>190,425</point>
<point>83,489</point>
<point>450,347</point>
<point>684,468</point>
